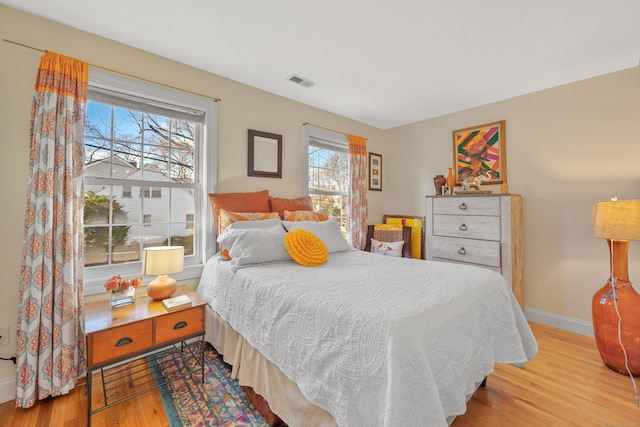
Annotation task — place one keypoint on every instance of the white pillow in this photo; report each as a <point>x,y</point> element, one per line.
<point>254,245</point>
<point>263,223</point>
<point>387,248</point>
<point>328,231</point>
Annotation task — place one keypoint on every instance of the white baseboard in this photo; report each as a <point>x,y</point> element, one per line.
<point>7,390</point>
<point>561,322</point>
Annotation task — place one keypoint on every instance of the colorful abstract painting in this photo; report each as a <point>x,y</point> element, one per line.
<point>479,152</point>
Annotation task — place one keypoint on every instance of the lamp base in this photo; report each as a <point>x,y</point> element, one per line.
<point>162,287</point>
<point>605,326</point>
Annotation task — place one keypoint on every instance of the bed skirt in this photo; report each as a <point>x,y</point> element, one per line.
<point>253,370</point>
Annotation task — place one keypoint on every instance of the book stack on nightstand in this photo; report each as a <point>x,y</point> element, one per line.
<point>177,303</point>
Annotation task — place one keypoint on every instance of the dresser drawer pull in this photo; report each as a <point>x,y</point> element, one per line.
<point>463,206</point>
<point>462,251</point>
<point>124,341</point>
<point>463,227</point>
<point>180,325</point>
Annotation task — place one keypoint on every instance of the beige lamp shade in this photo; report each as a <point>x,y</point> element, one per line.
<point>162,260</point>
<point>616,219</point>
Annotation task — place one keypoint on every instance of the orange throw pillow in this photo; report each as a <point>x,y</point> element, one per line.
<point>239,202</point>
<point>278,204</point>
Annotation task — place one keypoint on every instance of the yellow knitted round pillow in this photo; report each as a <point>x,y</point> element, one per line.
<point>306,248</point>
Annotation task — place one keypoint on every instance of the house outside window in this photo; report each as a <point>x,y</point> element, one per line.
<point>327,173</point>
<point>151,192</point>
<point>147,153</point>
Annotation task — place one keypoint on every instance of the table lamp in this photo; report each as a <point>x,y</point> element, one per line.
<point>161,261</point>
<point>616,306</point>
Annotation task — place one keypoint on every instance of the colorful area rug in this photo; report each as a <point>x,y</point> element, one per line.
<point>219,401</point>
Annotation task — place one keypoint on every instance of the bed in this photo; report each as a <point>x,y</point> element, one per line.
<point>362,339</point>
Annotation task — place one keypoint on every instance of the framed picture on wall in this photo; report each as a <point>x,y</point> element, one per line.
<point>265,154</point>
<point>375,172</point>
<point>480,152</point>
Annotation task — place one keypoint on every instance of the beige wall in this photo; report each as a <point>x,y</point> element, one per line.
<point>566,147</point>
<point>242,108</point>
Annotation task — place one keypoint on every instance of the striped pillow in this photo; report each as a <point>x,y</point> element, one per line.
<point>225,217</point>
<point>304,216</point>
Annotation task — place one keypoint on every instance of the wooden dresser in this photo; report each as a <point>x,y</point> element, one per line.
<point>483,230</point>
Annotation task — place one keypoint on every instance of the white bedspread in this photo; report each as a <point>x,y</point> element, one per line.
<point>376,341</point>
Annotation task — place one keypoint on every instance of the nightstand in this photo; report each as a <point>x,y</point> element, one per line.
<point>119,339</point>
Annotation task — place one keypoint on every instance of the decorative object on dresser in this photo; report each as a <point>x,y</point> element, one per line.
<point>161,261</point>
<point>439,181</point>
<point>616,320</point>
<point>483,230</point>
<point>265,154</point>
<point>375,172</point>
<point>479,150</point>
<point>451,179</point>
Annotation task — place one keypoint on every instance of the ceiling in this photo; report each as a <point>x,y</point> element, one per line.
<point>383,63</point>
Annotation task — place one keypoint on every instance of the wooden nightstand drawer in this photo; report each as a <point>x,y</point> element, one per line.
<point>179,324</point>
<point>466,226</point>
<point>120,341</point>
<point>466,206</point>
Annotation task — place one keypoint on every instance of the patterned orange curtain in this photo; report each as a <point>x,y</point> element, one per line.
<point>357,191</point>
<point>50,337</point>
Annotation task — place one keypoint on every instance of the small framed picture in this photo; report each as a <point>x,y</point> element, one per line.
<point>446,190</point>
<point>375,172</point>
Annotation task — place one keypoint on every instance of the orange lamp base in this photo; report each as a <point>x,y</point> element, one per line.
<point>605,317</point>
<point>162,287</point>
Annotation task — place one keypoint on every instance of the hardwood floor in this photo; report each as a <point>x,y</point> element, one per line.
<point>565,385</point>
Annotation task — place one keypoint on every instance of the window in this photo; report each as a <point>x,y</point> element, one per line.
<point>148,151</point>
<point>327,173</point>
<point>151,192</point>
<point>189,218</point>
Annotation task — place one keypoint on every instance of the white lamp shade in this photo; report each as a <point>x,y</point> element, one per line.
<point>162,260</point>
<point>616,219</point>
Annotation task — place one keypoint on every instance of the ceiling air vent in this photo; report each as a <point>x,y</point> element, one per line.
<point>301,81</point>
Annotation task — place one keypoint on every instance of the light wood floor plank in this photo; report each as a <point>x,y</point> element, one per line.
<point>565,385</point>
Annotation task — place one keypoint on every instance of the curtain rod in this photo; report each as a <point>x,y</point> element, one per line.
<point>120,72</point>
<point>321,127</point>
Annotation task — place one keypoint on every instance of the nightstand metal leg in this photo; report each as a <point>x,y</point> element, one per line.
<point>202,357</point>
<point>88,380</point>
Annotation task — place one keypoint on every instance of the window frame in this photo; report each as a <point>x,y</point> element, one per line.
<point>205,175</point>
<point>335,139</point>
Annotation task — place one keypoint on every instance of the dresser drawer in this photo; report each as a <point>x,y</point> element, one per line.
<point>179,324</point>
<point>120,341</point>
<point>488,267</point>
<point>466,226</point>
<point>466,206</point>
<point>467,250</point>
